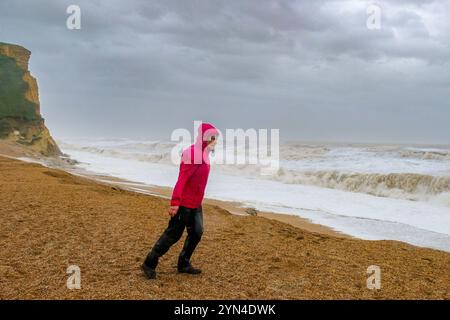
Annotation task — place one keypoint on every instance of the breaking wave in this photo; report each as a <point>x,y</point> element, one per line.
<point>426,155</point>
<point>154,151</point>
<point>411,186</point>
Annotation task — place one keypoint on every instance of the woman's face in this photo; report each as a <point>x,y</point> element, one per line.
<point>212,143</point>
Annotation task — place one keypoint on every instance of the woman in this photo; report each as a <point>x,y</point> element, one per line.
<point>186,204</point>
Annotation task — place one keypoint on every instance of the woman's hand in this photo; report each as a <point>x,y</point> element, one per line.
<point>173,210</point>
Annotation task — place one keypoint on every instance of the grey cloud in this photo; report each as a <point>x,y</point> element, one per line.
<point>311,68</point>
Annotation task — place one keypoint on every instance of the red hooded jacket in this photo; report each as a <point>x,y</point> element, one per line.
<point>194,170</point>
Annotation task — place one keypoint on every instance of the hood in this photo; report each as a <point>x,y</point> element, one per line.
<point>205,131</point>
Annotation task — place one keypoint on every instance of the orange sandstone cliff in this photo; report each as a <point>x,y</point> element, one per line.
<point>20,118</point>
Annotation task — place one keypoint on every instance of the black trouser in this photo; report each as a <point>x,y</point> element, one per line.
<point>192,219</point>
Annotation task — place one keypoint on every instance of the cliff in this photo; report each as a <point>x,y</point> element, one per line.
<point>20,118</point>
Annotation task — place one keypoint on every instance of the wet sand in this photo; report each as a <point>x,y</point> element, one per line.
<point>51,219</point>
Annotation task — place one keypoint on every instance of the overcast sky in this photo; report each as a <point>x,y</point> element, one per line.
<point>313,69</point>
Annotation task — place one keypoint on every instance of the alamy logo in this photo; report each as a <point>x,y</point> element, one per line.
<point>74,280</point>
<point>73,22</point>
<point>374,279</point>
<point>236,147</point>
<point>373,21</point>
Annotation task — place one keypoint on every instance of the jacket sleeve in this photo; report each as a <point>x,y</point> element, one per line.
<point>186,171</point>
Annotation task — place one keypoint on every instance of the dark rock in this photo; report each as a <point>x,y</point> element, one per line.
<point>251,211</point>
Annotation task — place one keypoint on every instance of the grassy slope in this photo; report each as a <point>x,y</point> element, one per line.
<point>12,92</point>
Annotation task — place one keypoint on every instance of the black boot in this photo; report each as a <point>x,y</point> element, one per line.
<point>184,265</point>
<point>189,269</point>
<point>149,272</point>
